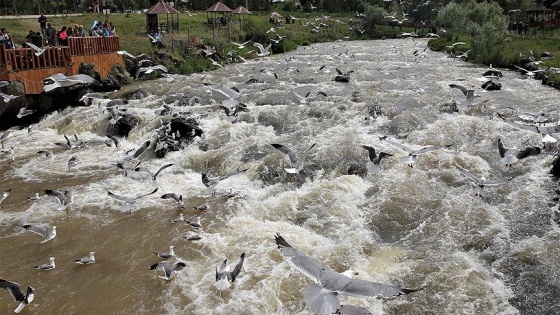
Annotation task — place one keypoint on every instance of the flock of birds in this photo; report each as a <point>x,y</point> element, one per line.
<point>321,297</point>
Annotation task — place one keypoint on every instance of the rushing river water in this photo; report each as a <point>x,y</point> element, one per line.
<point>412,227</point>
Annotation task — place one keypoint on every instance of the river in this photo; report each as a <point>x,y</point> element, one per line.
<point>415,227</point>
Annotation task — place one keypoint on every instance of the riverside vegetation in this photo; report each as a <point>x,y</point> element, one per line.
<point>482,25</point>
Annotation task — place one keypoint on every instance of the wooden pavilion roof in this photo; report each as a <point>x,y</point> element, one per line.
<point>161,8</point>
<point>219,7</point>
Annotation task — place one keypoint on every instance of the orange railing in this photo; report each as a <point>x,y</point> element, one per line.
<point>83,46</point>
<point>25,59</point>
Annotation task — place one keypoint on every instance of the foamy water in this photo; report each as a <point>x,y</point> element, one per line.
<point>411,227</point>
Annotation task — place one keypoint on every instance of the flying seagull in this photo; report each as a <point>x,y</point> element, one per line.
<point>297,164</point>
<point>225,276</point>
<point>73,161</point>
<point>17,293</point>
<point>38,50</point>
<point>468,93</point>
<point>169,270</point>
<point>262,50</point>
<point>482,182</point>
<point>24,112</point>
<point>166,255</point>
<point>48,266</point>
<point>64,198</point>
<point>90,259</point>
<point>211,182</point>
<point>321,298</point>
<point>47,233</point>
<point>153,175</point>
<point>413,154</point>
<point>375,160</point>
<point>510,156</point>
<point>129,201</point>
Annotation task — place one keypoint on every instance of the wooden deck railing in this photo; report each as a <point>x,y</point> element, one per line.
<point>20,59</point>
<point>95,45</point>
<point>25,59</point>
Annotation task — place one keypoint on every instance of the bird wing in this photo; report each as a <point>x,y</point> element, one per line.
<point>526,152</point>
<point>144,195</point>
<point>430,149</point>
<point>121,198</point>
<point>291,154</point>
<point>498,182</point>
<point>238,267</point>
<point>469,175</point>
<point>259,46</point>
<point>398,145</point>
<point>14,288</point>
<point>346,309</point>
<point>501,148</point>
<point>364,288</point>
<point>124,52</point>
<point>371,152</point>
<point>36,229</point>
<point>460,87</point>
<point>142,149</point>
<point>55,193</point>
<point>305,264</point>
<point>172,196</point>
<point>161,169</point>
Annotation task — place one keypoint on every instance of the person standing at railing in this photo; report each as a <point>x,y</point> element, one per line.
<point>63,37</point>
<point>6,39</point>
<point>50,35</point>
<point>42,23</point>
<point>80,32</point>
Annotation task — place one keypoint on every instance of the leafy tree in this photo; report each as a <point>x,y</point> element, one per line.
<point>488,39</point>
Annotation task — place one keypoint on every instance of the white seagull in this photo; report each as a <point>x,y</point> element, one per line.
<point>38,50</point>
<point>510,156</point>
<point>468,93</point>
<point>64,198</point>
<point>262,50</point>
<point>47,233</point>
<point>322,297</point>
<point>413,154</point>
<point>17,293</point>
<point>153,175</point>
<point>48,266</point>
<point>24,112</point>
<point>297,164</point>
<point>129,201</point>
<point>181,218</point>
<point>211,182</point>
<point>169,270</point>
<point>225,276</point>
<point>90,259</point>
<point>482,182</point>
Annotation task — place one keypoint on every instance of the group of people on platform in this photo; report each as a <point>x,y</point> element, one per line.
<point>50,36</point>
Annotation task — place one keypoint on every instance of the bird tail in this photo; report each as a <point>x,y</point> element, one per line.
<point>21,306</point>
<point>222,284</point>
<point>319,300</point>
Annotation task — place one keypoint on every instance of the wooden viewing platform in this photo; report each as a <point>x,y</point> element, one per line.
<point>21,64</point>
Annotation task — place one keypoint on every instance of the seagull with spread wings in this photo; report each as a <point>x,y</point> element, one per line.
<point>511,155</point>
<point>129,201</point>
<point>47,233</point>
<point>481,182</point>
<point>322,297</point>
<point>374,159</point>
<point>412,156</point>
<point>211,182</point>
<point>169,269</point>
<point>295,162</point>
<point>18,294</point>
<point>225,276</point>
